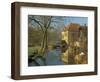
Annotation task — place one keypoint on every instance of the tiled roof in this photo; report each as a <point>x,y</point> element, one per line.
<point>73,27</point>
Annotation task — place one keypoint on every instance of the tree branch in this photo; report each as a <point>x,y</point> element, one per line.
<point>37,23</point>
<point>48,25</point>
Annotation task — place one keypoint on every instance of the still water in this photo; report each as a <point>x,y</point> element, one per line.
<point>53,57</point>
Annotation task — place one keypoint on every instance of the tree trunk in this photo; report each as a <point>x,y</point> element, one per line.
<point>44,44</point>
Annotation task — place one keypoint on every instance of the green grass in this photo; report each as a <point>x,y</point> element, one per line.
<point>31,50</point>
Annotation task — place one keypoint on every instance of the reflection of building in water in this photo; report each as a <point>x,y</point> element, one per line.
<point>76,37</point>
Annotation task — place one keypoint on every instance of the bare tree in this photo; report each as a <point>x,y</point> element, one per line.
<point>45,23</point>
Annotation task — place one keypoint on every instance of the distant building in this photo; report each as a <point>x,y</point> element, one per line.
<point>76,37</point>
<point>71,32</point>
